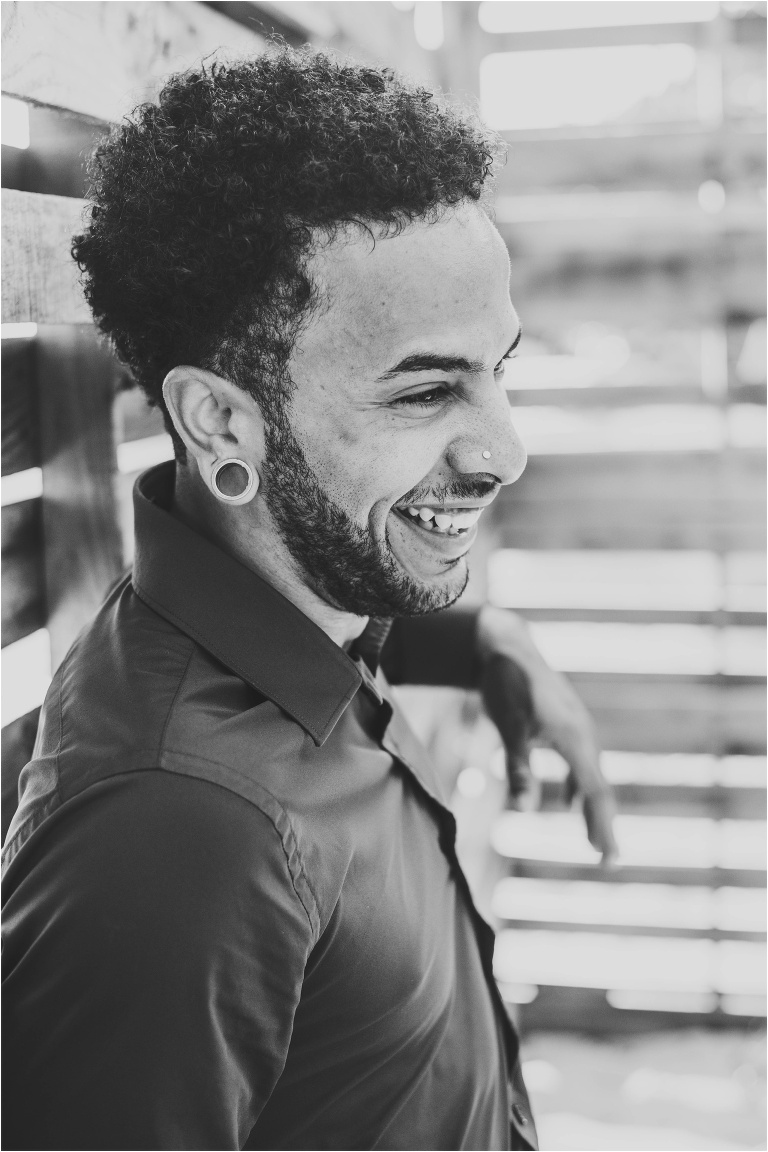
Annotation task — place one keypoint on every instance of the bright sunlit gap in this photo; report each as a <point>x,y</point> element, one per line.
<point>14,131</point>
<point>630,905</point>
<point>553,430</point>
<point>644,841</point>
<point>666,649</point>
<point>630,963</point>
<point>584,87</point>
<point>428,24</point>
<point>657,769</point>
<point>533,16</point>
<point>26,674</point>
<point>684,580</point>
<point>18,331</point>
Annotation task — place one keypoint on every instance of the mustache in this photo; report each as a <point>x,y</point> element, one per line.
<point>462,488</point>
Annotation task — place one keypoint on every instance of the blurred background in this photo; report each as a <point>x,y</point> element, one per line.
<point>633,203</point>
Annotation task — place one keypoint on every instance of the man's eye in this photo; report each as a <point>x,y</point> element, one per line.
<point>427,399</point>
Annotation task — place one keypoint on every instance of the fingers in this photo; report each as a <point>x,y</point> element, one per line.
<point>524,788</point>
<point>599,813</point>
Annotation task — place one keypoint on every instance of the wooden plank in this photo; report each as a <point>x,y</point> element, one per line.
<point>639,874</point>
<point>23,584</point>
<point>83,549</point>
<point>716,802</point>
<point>718,715</point>
<point>700,500</point>
<point>641,616</point>
<point>587,1011</point>
<point>101,58</point>
<point>55,162</point>
<point>629,396</point>
<point>618,158</point>
<point>691,32</point>
<point>663,933</point>
<point>40,278</point>
<point>18,739</point>
<point>21,439</point>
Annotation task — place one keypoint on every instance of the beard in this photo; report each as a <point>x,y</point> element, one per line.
<point>340,561</point>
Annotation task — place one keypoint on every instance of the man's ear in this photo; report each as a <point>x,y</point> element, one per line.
<point>215,419</point>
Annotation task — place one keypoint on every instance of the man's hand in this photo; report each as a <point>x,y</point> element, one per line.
<point>528,700</point>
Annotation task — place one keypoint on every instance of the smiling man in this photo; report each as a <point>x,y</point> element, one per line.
<point>234,913</point>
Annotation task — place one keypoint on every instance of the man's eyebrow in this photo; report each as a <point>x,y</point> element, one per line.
<point>434,362</point>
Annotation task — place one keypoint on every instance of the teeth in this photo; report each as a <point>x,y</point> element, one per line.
<point>466,518</point>
<point>448,523</point>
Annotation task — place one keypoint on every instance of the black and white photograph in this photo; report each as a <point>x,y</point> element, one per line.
<point>384,575</point>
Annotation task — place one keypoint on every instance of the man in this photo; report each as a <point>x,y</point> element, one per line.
<point>234,913</point>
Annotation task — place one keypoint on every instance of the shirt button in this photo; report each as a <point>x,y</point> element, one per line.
<point>518,1114</point>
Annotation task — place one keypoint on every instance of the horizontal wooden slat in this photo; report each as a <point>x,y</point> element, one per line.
<point>629,396</point>
<point>101,59</point>
<point>641,616</point>
<point>637,158</point>
<point>587,1011</point>
<point>21,438</point>
<point>716,802</point>
<point>639,874</point>
<point>698,500</point>
<point>634,930</point>
<point>40,278</point>
<point>702,714</point>
<point>55,162</point>
<point>691,32</point>
<point>23,585</point>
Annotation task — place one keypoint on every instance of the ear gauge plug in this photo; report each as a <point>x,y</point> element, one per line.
<point>486,455</point>
<point>234,481</point>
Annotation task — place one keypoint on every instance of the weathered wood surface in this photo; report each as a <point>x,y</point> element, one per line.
<point>83,549</point>
<point>587,1011</point>
<point>639,874</point>
<point>632,158</point>
<point>716,618</point>
<point>101,59</point>
<point>718,802</point>
<point>23,584</point>
<point>718,715</point>
<point>40,278</point>
<point>700,500</point>
<point>20,432</point>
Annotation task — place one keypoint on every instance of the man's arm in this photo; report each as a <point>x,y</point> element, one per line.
<point>154,960</point>
<point>491,649</point>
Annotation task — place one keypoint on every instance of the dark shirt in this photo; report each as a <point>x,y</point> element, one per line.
<point>234,915</point>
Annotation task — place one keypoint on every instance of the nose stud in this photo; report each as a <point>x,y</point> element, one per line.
<point>486,455</point>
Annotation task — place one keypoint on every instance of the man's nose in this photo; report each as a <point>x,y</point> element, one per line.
<point>489,442</point>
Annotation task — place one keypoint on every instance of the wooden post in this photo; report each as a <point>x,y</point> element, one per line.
<point>83,552</point>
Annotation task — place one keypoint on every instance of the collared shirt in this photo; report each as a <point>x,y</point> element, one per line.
<point>234,914</point>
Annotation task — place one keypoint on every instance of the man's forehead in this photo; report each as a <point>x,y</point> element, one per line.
<point>432,280</point>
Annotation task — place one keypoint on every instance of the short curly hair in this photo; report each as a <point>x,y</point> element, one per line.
<point>205,205</point>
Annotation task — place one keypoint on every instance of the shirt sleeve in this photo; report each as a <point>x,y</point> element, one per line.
<point>439,648</point>
<point>153,964</point>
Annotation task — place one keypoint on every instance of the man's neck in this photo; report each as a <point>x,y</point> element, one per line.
<point>254,541</point>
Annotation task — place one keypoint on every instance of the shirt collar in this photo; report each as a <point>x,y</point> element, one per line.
<point>236,615</point>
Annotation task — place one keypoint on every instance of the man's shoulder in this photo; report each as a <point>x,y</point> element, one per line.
<point>136,694</point>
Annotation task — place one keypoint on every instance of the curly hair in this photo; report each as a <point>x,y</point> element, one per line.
<point>205,206</point>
